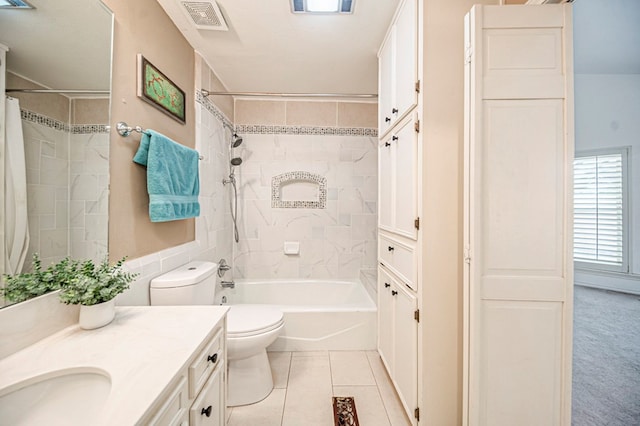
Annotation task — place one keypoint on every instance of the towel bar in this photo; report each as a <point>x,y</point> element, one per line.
<point>125,130</point>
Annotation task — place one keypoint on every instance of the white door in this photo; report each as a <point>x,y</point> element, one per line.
<point>385,183</point>
<point>405,330</point>
<point>406,61</point>
<point>518,238</point>
<point>385,318</point>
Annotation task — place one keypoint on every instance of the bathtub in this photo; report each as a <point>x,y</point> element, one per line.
<point>318,314</point>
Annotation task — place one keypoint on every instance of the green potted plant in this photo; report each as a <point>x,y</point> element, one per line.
<point>94,288</point>
<point>27,285</point>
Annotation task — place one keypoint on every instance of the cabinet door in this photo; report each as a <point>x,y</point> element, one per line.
<point>386,84</point>
<point>405,145</point>
<point>405,330</point>
<point>385,184</point>
<point>209,407</point>
<point>385,319</point>
<point>406,62</point>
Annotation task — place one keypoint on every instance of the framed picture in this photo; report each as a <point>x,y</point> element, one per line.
<point>158,90</point>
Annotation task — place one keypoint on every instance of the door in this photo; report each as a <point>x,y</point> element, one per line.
<point>518,208</point>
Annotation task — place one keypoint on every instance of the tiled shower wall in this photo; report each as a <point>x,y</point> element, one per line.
<point>336,140</point>
<point>67,189</point>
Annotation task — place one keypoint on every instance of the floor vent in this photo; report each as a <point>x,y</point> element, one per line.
<point>205,15</point>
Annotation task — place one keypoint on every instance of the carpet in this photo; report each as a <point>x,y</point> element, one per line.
<point>344,411</point>
<point>606,358</point>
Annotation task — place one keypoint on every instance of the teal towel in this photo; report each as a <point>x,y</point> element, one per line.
<point>172,177</point>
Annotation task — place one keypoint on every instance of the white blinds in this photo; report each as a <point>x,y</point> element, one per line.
<point>599,211</point>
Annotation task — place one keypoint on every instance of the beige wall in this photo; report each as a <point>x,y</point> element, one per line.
<point>142,26</point>
<point>442,115</point>
<point>53,106</point>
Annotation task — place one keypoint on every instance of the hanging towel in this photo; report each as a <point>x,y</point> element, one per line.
<point>173,183</point>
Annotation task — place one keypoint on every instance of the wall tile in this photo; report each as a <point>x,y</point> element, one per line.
<point>301,113</point>
<point>357,114</point>
<point>260,112</point>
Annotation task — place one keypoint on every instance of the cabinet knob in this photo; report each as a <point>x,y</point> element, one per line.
<point>387,285</point>
<point>390,248</point>
<point>206,411</point>
<point>387,119</point>
<point>394,138</point>
<point>393,292</point>
<point>387,144</point>
<point>394,110</point>
<point>213,358</point>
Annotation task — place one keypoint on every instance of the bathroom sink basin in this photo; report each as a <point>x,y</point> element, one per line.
<point>64,397</point>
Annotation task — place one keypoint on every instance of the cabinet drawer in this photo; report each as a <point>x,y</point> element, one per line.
<point>173,411</point>
<point>399,258</point>
<point>205,363</point>
<point>209,407</point>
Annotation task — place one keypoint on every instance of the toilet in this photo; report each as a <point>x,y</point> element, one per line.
<point>250,328</point>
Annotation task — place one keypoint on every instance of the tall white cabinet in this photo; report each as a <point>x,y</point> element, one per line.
<point>398,207</point>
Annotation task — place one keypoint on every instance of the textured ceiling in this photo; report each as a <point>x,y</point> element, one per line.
<point>269,49</point>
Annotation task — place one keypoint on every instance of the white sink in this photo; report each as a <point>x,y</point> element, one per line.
<point>63,397</point>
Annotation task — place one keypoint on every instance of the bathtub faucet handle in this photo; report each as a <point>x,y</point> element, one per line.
<point>222,267</point>
<point>227,284</point>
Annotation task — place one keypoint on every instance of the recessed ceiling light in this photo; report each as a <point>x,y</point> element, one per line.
<point>322,6</point>
<point>15,4</point>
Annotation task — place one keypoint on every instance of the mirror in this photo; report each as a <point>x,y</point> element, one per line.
<point>62,45</point>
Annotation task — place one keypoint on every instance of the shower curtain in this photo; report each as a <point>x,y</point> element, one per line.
<point>15,209</point>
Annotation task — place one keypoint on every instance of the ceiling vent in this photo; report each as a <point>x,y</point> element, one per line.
<point>205,15</point>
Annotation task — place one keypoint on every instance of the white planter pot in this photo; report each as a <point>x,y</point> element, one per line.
<point>96,316</point>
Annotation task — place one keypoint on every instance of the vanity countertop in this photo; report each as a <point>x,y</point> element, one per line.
<point>143,350</point>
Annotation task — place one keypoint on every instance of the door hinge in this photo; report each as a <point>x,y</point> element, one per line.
<point>416,413</point>
<point>416,126</point>
<point>466,254</point>
<point>416,315</point>
<point>416,223</point>
<point>417,86</point>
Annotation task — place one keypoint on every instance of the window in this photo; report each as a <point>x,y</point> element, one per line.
<point>600,210</point>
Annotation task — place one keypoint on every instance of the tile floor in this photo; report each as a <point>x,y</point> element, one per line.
<point>305,382</point>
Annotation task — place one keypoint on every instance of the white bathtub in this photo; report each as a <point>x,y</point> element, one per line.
<point>318,315</point>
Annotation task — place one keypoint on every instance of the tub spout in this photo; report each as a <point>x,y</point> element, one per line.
<point>227,284</point>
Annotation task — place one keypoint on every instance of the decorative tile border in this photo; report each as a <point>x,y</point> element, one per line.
<point>34,117</point>
<point>305,130</point>
<point>276,184</point>
<point>213,109</point>
<point>78,129</point>
<point>84,129</point>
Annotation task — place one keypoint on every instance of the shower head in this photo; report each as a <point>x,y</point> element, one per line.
<point>236,161</point>
<point>237,140</point>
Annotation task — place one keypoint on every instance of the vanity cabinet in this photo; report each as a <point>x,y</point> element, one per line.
<point>398,337</point>
<point>199,396</point>
<point>398,67</point>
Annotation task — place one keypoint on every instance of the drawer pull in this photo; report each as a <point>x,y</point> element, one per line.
<point>387,144</point>
<point>393,292</point>
<point>387,285</point>
<point>206,411</point>
<point>387,119</point>
<point>394,110</point>
<point>213,358</point>
<point>394,138</point>
<point>390,248</point>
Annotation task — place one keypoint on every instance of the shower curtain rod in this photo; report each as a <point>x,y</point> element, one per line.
<point>96,92</point>
<point>206,93</point>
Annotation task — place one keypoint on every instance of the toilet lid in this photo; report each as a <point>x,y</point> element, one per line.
<point>242,319</point>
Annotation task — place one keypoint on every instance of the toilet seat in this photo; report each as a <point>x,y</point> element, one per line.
<point>251,320</point>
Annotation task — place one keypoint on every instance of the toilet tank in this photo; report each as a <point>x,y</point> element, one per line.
<point>190,284</point>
